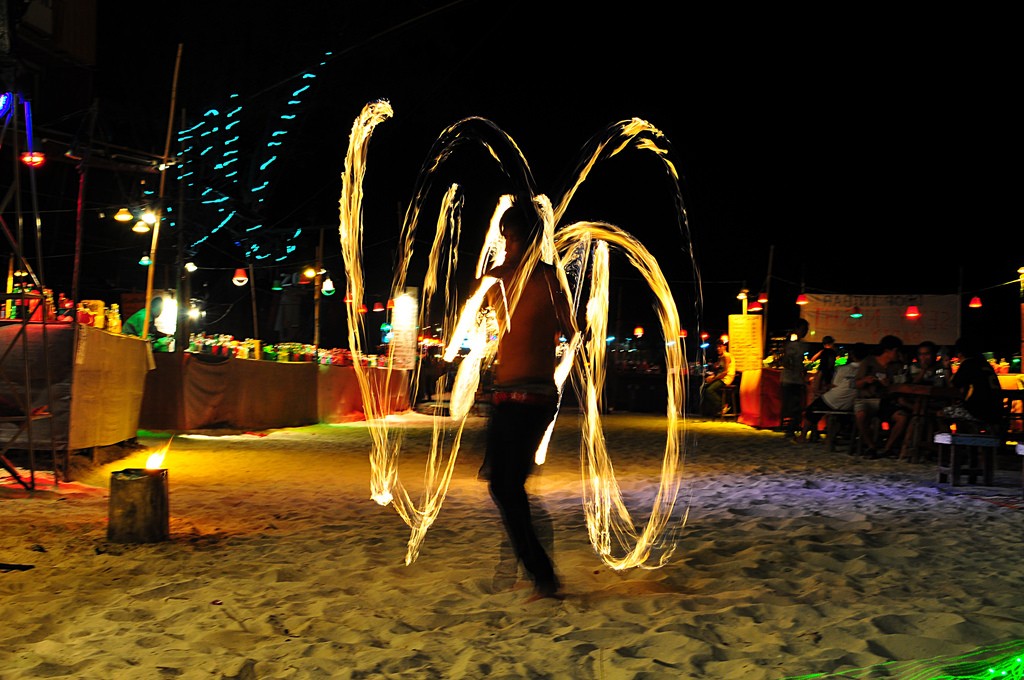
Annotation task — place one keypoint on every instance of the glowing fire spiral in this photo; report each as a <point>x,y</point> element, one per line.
<point>580,252</point>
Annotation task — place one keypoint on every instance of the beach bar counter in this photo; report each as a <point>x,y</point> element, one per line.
<point>194,391</point>
<point>96,387</point>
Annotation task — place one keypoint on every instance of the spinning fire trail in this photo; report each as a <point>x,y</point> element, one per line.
<point>580,252</point>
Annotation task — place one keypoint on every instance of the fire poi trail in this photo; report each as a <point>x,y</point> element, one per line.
<point>580,252</point>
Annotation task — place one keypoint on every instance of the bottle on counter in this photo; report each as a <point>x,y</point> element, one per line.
<point>114,318</point>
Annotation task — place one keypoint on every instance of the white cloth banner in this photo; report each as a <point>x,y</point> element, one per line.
<point>883,315</point>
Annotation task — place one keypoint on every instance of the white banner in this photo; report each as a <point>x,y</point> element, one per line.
<point>883,315</point>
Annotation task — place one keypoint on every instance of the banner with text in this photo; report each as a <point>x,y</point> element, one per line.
<point>746,341</point>
<point>883,315</point>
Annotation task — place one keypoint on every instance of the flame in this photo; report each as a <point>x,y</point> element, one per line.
<point>156,460</point>
<point>620,541</point>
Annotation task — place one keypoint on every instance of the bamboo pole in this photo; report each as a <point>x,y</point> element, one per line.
<point>160,196</point>
<point>252,297</point>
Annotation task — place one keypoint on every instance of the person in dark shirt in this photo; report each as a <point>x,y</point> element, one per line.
<point>981,404</point>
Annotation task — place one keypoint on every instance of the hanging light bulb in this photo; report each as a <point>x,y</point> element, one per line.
<point>144,260</point>
<point>328,287</point>
<point>638,331</point>
<point>362,309</point>
<point>683,333</point>
<point>754,306</point>
<point>762,297</point>
<point>378,306</point>
<point>391,304</point>
<point>742,295</point>
<point>140,227</point>
<point>855,313</point>
<point>240,278</point>
<point>123,215</point>
<point>913,312</point>
<point>33,159</point>
<point>975,302</point>
<point>276,285</point>
<point>348,297</point>
<point>801,299</point>
<point>148,216</point>
<point>191,267</point>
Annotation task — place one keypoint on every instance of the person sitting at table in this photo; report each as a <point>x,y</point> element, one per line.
<point>723,373</point>
<point>874,375</point>
<point>927,370</point>
<point>840,395</point>
<point>981,406</point>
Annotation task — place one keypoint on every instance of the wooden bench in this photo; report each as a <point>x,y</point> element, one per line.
<point>966,454</point>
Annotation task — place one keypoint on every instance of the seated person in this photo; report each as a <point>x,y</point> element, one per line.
<point>840,395</point>
<point>723,373</point>
<point>874,375</point>
<point>981,405</point>
<point>927,370</point>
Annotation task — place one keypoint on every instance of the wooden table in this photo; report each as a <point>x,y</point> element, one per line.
<point>924,402</point>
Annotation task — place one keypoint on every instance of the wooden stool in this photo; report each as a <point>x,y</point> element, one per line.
<point>966,454</point>
<point>730,402</point>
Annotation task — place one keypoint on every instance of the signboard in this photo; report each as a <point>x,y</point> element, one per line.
<point>746,341</point>
<point>403,329</point>
<point>883,315</point>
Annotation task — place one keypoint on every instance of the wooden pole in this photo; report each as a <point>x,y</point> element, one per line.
<point>317,282</point>
<point>160,197</point>
<point>767,294</point>
<point>252,296</point>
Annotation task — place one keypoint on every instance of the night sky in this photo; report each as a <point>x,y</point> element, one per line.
<point>861,153</point>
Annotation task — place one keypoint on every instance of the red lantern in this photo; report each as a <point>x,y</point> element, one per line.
<point>913,312</point>
<point>33,159</point>
<point>801,299</point>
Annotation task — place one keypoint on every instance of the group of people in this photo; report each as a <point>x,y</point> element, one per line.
<point>861,386</point>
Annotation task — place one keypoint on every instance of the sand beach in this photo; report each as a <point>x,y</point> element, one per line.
<point>792,561</point>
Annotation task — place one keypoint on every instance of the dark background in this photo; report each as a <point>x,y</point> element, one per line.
<point>859,152</point>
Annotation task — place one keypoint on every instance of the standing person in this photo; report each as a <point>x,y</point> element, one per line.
<point>826,358</point>
<point>723,373</point>
<point>794,373</point>
<point>133,324</point>
<point>525,396</point>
